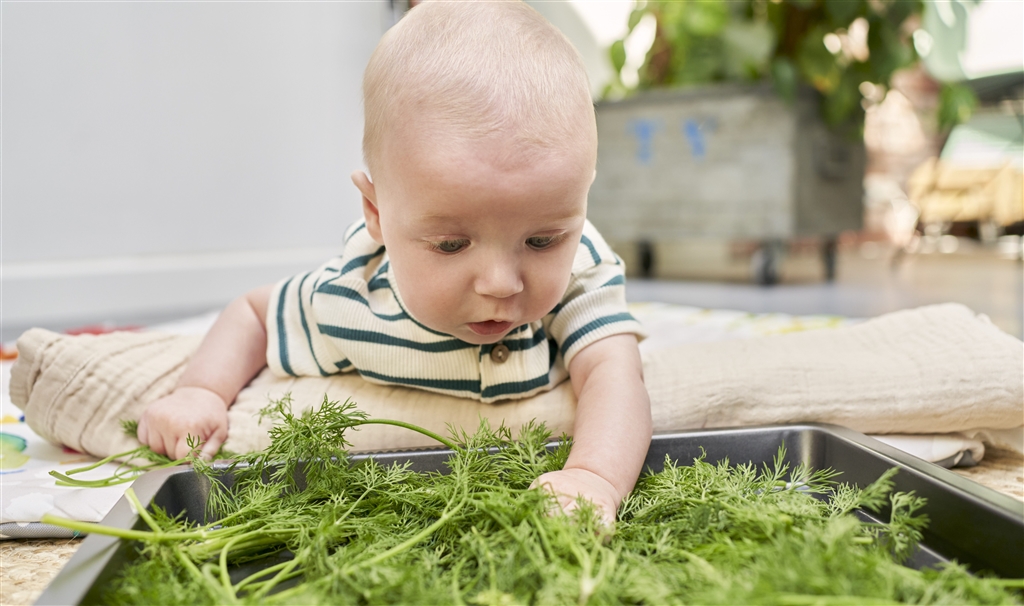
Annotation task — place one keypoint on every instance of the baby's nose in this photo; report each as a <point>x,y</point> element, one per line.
<point>500,279</point>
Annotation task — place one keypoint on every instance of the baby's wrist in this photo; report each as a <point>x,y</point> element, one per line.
<point>608,484</point>
<point>203,392</point>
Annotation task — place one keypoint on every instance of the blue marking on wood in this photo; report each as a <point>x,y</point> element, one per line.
<point>644,130</point>
<point>695,137</point>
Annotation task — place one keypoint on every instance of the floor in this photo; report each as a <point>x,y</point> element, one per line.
<point>867,283</point>
<point>715,274</point>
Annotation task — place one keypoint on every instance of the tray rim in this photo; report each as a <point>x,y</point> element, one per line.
<point>75,578</point>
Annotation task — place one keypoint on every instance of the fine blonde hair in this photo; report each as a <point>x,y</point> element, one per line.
<point>477,68</point>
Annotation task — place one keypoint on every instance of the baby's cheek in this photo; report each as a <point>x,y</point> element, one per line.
<point>429,296</point>
<point>550,288</point>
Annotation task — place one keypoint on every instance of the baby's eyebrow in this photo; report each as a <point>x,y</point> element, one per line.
<point>441,221</point>
<point>455,218</point>
<point>437,217</point>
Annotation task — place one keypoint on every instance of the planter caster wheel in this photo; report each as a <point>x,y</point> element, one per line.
<point>828,257</point>
<point>765,263</point>
<point>645,253</point>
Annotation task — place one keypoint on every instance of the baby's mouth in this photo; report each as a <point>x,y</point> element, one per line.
<point>490,327</point>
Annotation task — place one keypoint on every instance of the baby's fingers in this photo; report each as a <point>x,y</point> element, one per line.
<point>160,444</point>
<point>181,448</point>
<point>142,431</point>
<point>152,437</point>
<point>212,445</point>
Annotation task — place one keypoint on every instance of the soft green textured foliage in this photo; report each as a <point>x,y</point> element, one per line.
<point>704,41</point>
<point>478,534</point>
<point>956,104</point>
<point>132,463</point>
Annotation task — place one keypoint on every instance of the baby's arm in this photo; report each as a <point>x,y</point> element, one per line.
<point>229,357</point>
<point>612,431</point>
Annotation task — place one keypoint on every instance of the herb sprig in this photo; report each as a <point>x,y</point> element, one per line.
<point>132,463</point>
<point>300,523</point>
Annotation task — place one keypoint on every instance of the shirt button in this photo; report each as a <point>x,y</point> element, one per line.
<point>499,353</point>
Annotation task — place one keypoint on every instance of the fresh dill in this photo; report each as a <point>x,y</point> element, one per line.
<point>301,523</point>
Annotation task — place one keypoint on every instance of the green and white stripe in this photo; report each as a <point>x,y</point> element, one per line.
<point>348,315</point>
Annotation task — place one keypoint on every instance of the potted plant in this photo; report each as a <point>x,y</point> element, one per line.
<point>745,120</point>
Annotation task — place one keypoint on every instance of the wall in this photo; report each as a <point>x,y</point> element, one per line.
<point>159,159</point>
<point>162,158</point>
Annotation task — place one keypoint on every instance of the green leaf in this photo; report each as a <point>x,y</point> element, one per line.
<point>748,48</point>
<point>888,51</point>
<point>634,18</point>
<point>844,101</point>
<point>702,63</point>
<point>617,53</point>
<point>842,12</point>
<point>784,74</point>
<point>900,10</point>
<point>817,65</point>
<point>956,104</point>
<point>705,17</point>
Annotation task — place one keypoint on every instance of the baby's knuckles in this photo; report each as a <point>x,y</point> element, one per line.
<point>186,411</point>
<point>570,485</point>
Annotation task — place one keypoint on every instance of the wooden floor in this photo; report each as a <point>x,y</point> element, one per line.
<point>867,282</point>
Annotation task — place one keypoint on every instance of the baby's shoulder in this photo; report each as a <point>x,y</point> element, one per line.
<point>593,251</point>
<point>361,258</point>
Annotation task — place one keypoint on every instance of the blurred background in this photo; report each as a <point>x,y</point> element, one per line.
<point>801,156</point>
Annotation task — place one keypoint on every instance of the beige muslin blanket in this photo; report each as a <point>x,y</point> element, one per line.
<point>934,369</point>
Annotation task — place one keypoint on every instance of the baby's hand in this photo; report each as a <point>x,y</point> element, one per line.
<point>569,485</point>
<point>188,411</point>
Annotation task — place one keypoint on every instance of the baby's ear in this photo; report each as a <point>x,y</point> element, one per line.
<point>370,212</point>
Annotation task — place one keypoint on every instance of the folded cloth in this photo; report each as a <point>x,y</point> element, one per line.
<point>935,369</point>
<point>947,450</point>
<point>76,390</point>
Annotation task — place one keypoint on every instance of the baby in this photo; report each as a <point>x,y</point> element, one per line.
<point>474,272</point>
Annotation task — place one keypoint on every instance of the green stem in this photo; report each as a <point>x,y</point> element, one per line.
<point>225,576</point>
<point>252,539</point>
<point>416,428</point>
<point>141,510</point>
<point>406,544</point>
<point>211,581</point>
<point>114,480</point>
<point>251,579</point>
<point>799,599</point>
<point>104,461</point>
<point>284,575</point>
<point>119,477</point>
<point>122,533</point>
<point>456,589</point>
<point>534,558</point>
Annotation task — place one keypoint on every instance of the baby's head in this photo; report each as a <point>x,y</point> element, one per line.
<point>481,143</point>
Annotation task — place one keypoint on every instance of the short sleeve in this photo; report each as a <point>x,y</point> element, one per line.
<point>295,345</point>
<point>594,305</point>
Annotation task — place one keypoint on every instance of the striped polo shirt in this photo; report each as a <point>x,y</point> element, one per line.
<point>349,316</point>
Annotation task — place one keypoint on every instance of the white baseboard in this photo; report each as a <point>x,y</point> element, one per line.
<point>125,289</point>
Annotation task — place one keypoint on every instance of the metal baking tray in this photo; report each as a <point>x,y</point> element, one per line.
<point>975,525</point>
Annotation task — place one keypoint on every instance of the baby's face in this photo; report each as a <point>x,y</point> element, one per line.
<point>479,245</point>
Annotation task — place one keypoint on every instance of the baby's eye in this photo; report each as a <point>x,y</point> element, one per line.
<point>541,242</point>
<point>450,246</point>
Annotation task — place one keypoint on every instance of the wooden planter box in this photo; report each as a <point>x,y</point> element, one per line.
<point>729,161</point>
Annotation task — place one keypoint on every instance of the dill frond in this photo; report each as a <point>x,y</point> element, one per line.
<point>298,523</point>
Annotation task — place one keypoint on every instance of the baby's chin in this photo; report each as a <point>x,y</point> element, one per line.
<point>466,334</point>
